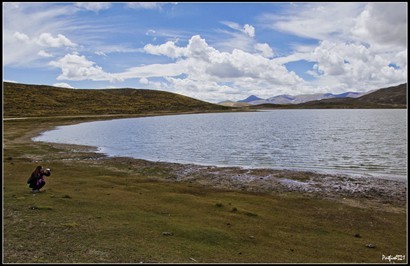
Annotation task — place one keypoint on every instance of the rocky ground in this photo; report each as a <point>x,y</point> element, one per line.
<point>363,190</point>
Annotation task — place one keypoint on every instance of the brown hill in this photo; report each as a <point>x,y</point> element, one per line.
<point>396,95</point>
<point>21,100</point>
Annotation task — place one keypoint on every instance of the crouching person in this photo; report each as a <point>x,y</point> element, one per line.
<point>36,180</point>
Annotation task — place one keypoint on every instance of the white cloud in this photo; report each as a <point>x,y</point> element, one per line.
<point>93,6</point>
<point>357,66</point>
<point>362,46</point>
<point>168,49</point>
<point>23,25</point>
<point>383,24</point>
<point>147,5</point>
<point>232,25</point>
<point>144,81</point>
<point>198,70</point>
<point>63,85</point>
<point>265,49</point>
<point>76,67</point>
<point>47,40</point>
<point>249,30</point>
<point>43,53</point>
<point>338,66</point>
<point>206,90</point>
<point>153,70</point>
<point>153,84</point>
<point>21,37</point>
<point>316,20</point>
<point>374,23</point>
<point>210,69</point>
<point>8,80</point>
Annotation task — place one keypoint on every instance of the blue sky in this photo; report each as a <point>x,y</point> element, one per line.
<point>208,51</point>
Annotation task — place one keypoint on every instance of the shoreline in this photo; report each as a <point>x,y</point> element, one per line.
<point>386,194</point>
<point>318,184</point>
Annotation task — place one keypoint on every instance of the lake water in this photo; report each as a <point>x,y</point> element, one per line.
<point>351,141</point>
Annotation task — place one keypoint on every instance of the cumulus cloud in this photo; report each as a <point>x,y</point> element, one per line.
<point>46,39</point>
<point>76,67</point>
<point>264,49</point>
<point>203,64</point>
<point>357,66</point>
<point>383,24</point>
<point>361,46</point>
<point>249,30</point>
<point>199,70</point>
<point>338,66</point>
<point>198,54</point>
<point>168,49</point>
<point>21,37</point>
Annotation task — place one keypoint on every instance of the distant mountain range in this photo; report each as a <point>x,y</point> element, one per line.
<point>250,99</point>
<point>290,99</point>
<point>392,96</point>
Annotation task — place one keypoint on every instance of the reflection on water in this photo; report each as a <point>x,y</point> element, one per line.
<point>354,141</point>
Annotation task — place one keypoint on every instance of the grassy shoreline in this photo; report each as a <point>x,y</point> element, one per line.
<point>120,210</point>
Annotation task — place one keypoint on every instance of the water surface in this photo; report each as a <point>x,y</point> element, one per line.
<point>352,141</point>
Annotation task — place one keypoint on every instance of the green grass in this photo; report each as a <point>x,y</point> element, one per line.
<point>109,212</point>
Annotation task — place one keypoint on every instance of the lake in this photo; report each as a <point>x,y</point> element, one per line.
<point>349,141</point>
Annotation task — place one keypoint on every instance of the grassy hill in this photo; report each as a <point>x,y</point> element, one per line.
<point>396,95</point>
<point>391,97</point>
<point>40,100</point>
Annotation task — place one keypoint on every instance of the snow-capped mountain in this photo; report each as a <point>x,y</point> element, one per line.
<point>289,99</point>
